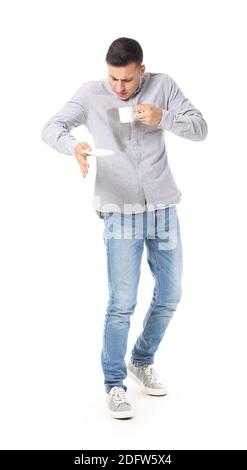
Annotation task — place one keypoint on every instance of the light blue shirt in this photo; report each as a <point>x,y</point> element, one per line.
<point>137,176</point>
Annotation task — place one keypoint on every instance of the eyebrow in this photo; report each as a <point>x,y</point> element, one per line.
<point>122,78</point>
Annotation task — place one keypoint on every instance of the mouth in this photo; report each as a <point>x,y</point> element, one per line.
<point>122,93</point>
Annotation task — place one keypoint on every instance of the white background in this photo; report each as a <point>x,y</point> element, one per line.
<point>53,264</point>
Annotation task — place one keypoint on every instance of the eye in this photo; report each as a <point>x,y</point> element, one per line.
<point>115,79</point>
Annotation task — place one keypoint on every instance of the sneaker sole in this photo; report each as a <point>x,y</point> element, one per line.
<point>149,391</point>
<point>122,414</point>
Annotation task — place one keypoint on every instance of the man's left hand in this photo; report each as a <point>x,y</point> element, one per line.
<point>148,114</point>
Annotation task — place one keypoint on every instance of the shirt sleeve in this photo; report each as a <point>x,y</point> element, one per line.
<point>180,115</point>
<point>56,131</point>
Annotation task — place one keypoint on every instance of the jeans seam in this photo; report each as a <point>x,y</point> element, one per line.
<point>151,309</point>
<point>109,277</point>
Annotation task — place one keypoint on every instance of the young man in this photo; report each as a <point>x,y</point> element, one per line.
<point>135,195</point>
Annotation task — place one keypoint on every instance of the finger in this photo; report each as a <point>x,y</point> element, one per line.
<point>140,115</point>
<point>139,107</point>
<point>144,114</point>
<point>84,158</point>
<point>83,167</point>
<point>142,118</point>
<point>83,161</point>
<point>84,150</point>
<point>83,170</point>
<point>84,173</point>
<point>141,112</point>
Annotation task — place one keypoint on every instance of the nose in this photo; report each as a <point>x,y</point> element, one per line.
<point>120,86</point>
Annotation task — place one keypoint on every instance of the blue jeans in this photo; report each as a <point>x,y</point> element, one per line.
<point>124,238</point>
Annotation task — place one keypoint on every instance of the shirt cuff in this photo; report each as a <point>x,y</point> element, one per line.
<point>73,146</point>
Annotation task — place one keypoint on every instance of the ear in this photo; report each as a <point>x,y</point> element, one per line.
<point>142,68</point>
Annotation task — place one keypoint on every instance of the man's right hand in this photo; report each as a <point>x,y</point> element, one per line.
<point>82,157</point>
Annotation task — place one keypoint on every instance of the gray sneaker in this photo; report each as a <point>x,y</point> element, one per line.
<point>118,405</point>
<point>147,378</point>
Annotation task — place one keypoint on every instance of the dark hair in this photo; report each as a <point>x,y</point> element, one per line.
<point>122,51</point>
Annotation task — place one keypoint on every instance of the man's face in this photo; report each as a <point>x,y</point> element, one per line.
<point>124,80</point>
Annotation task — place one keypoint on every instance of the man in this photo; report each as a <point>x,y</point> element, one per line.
<point>135,195</point>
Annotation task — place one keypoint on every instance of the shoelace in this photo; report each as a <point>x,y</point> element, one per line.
<point>150,372</point>
<point>118,395</point>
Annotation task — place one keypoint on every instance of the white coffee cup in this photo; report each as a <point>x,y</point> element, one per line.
<point>127,114</point>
